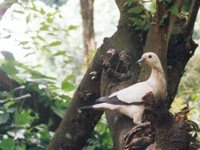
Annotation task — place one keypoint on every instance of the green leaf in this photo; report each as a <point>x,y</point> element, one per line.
<point>67,86</point>
<point>56,43</point>
<point>7,144</point>
<point>174,10</point>
<point>69,77</point>
<point>135,10</point>
<point>36,75</point>
<point>9,68</point>
<point>56,29</point>
<point>4,116</point>
<point>72,27</point>
<point>49,20</point>
<point>42,11</point>
<point>129,2</point>
<point>23,118</point>
<point>18,11</point>
<point>59,107</point>
<point>45,136</point>
<point>59,53</point>
<point>41,38</point>
<point>44,48</point>
<point>51,34</point>
<point>21,147</point>
<point>45,27</point>
<point>23,42</point>
<point>58,111</point>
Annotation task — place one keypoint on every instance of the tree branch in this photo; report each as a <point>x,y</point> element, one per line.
<point>157,36</point>
<point>194,7</point>
<point>120,4</point>
<point>88,27</point>
<point>172,19</point>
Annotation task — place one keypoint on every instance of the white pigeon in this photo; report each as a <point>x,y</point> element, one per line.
<point>125,100</point>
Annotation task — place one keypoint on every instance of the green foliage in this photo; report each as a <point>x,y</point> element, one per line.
<point>66,85</point>
<point>4,116</point>
<point>22,126</point>
<point>130,2</point>
<point>24,118</point>
<point>60,106</point>
<point>18,120</point>
<point>101,138</point>
<point>186,5</point>
<point>135,10</point>
<point>189,90</point>
<point>48,38</point>
<point>7,144</point>
<point>140,17</point>
<point>142,22</point>
<point>174,10</point>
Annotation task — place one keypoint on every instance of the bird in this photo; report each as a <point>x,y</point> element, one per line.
<point>129,101</point>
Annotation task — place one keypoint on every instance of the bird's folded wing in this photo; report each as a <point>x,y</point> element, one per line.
<point>115,101</point>
<point>134,93</point>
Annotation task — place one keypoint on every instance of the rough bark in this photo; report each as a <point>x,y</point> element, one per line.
<point>174,50</point>
<point>159,34</point>
<point>88,27</point>
<point>170,132</point>
<point>180,50</point>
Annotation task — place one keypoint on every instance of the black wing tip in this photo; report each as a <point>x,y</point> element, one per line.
<point>85,107</point>
<point>102,100</point>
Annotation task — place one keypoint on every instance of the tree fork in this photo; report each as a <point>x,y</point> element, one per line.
<point>76,127</point>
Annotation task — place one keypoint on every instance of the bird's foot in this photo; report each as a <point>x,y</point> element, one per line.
<point>135,129</point>
<point>135,137</point>
<point>138,143</point>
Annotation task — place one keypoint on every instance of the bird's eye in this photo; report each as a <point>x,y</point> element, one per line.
<point>150,56</point>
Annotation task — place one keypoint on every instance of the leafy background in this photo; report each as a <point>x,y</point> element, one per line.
<point>41,49</point>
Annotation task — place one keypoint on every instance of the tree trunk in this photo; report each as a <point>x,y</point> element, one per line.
<point>174,49</point>
<point>88,27</point>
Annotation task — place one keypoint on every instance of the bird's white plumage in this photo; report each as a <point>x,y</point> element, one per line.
<point>133,93</point>
<point>155,84</point>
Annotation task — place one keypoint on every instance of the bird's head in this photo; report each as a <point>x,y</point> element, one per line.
<point>149,58</point>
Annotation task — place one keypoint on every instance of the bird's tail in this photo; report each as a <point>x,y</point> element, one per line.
<point>86,107</point>
<point>100,104</point>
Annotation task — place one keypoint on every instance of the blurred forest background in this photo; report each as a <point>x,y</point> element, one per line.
<point>41,47</point>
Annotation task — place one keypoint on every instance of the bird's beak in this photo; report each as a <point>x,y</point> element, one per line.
<point>140,61</point>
